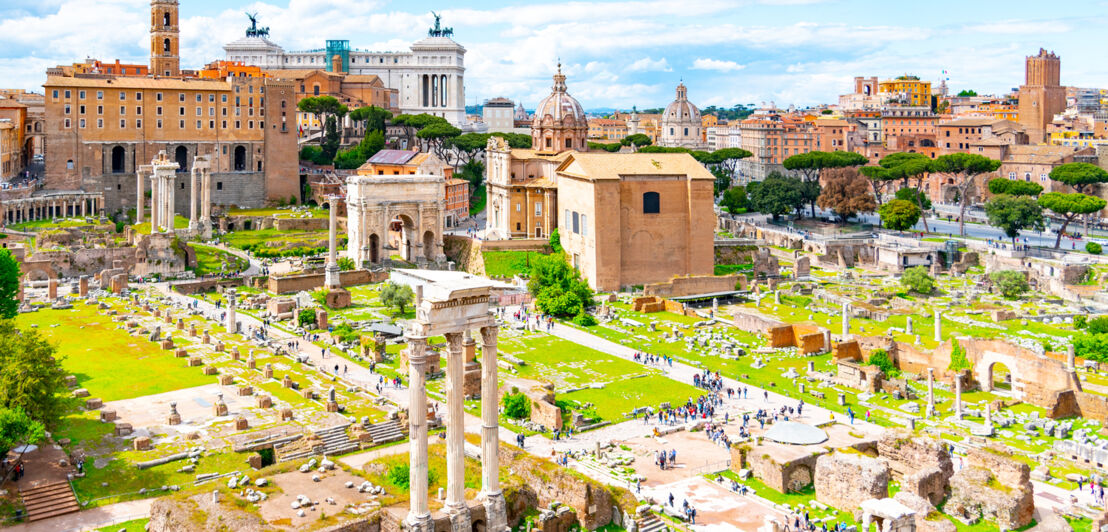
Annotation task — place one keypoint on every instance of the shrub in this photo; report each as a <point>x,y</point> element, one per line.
<point>556,241</point>
<point>880,358</point>
<point>346,264</point>
<point>306,318</point>
<point>517,405</point>
<point>584,319</point>
<point>918,280</point>
<point>1011,283</point>
<point>1097,325</point>
<point>1093,247</point>
<point>400,475</point>
<point>1079,322</point>
<point>958,359</point>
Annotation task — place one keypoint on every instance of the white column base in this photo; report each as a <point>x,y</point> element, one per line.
<point>331,277</point>
<point>419,523</point>
<point>496,511</point>
<point>460,520</point>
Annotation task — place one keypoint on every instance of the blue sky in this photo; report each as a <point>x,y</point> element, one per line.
<point>616,54</point>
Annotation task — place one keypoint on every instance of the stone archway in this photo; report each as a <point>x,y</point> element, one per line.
<point>374,248</point>
<point>999,377</point>
<point>395,215</point>
<point>38,271</point>
<point>1009,368</point>
<point>401,231</point>
<point>428,245</point>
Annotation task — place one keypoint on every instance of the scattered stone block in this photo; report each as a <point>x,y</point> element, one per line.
<point>123,429</point>
<point>93,404</point>
<point>181,353</point>
<point>107,416</point>
<point>241,423</point>
<point>225,380</point>
<point>142,443</point>
<point>264,401</point>
<point>195,361</point>
<point>210,370</point>
<point>71,381</point>
<point>286,414</point>
<point>80,392</point>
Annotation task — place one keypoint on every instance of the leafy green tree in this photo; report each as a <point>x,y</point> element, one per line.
<point>1082,177</point>
<point>964,168</point>
<point>965,93</point>
<point>373,116</point>
<point>734,200</point>
<point>330,140</point>
<point>612,147</point>
<point>918,280</point>
<point>517,405</point>
<point>880,358</point>
<point>846,193</point>
<point>899,215</point>
<point>1011,283</point>
<point>467,146</point>
<point>1098,325</point>
<point>556,241</point>
<point>9,285</point>
<point>1013,214</point>
<point>1093,248</point>
<point>515,140</point>
<point>776,195</point>
<point>324,107</point>
<point>637,140</point>
<point>1069,206</point>
<point>436,137</point>
<point>474,172</point>
<point>1091,347</point>
<point>727,159</point>
<point>915,196</point>
<point>1014,187</point>
<point>31,375</point>
<point>558,288</point>
<point>306,318</point>
<point>18,428</point>
<point>398,296</point>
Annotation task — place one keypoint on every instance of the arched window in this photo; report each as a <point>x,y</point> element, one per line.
<point>181,155</point>
<point>651,203</point>
<point>240,159</point>
<point>118,160</point>
<point>165,19</point>
<point>165,45</point>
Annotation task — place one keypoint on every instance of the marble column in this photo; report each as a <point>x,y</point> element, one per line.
<point>496,516</point>
<point>930,392</point>
<point>331,272</point>
<point>908,326</point>
<point>170,205</point>
<point>1071,358</point>
<point>231,321</point>
<point>988,415</point>
<point>938,326</point>
<point>455,504</point>
<point>154,196</point>
<point>193,200</point>
<point>419,513</point>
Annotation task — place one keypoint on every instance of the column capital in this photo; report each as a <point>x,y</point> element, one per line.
<point>489,334</point>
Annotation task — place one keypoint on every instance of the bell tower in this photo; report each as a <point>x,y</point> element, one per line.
<point>165,38</point>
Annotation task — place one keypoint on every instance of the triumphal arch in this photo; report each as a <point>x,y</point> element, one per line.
<point>395,215</point>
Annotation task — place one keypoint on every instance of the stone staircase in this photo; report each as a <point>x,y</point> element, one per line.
<point>651,523</point>
<point>384,432</point>
<point>334,440</point>
<point>49,500</point>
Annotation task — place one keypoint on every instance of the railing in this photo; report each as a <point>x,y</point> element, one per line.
<point>712,467</point>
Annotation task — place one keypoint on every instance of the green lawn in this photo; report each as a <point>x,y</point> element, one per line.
<point>279,213</point>
<point>135,525</point>
<point>210,260</point>
<point>477,201</point>
<point>507,263</point>
<point>728,269</point>
<point>565,363</point>
<point>36,225</point>
<point>272,242</point>
<point>179,222</point>
<point>108,362</point>
<point>792,499</point>
<point>619,398</point>
<point>124,480</point>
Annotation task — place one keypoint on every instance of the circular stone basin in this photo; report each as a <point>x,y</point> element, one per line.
<point>794,433</point>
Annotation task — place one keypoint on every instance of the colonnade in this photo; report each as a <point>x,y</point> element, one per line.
<point>52,206</point>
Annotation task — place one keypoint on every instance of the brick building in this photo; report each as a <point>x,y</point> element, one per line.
<point>1042,95</point>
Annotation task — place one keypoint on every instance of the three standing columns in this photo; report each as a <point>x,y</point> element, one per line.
<point>419,513</point>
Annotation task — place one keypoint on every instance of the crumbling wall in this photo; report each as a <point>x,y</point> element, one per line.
<point>995,486</point>
<point>692,285</point>
<point>785,476</point>
<point>754,322</point>
<point>845,479</point>
<point>921,464</point>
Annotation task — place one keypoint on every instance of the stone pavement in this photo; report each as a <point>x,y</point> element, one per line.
<point>88,519</point>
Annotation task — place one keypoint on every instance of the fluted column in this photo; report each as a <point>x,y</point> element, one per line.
<point>170,204</point>
<point>455,434</point>
<point>419,513</point>
<point>496,516</point>
<point>193,200</point>
<point>331,272</point>
<point>140,198</point>
<point>154,205</point>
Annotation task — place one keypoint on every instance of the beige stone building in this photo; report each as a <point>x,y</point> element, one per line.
<point>635,218</point>
<point>559,123</point>
<point>681,123</point>
<point>100,128</point>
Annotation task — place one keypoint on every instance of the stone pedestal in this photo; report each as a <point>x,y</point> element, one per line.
<point>107,416</point>
<point>82,286</point>
<point>93,404</point>
<point>181,353</point>
<point>235,353</point>
<point>332,406</point>
<point>241,423</point>
<point>226,380</point>
<point>174,419</point>
<point>180,324</point>
<point>264,401</point>
<point>142,443</point>
<point>123,429</point>
<point>267,371</point>
<point>210,370</point>
<point>52,289</point>
<point>251,363</point>
<point>206,339</point>
<point>195,361</point>
<point>246,390</point>
<point>338,298</point>
<point>321,319</point>
<point>286,414</point>
<point>286,382</point>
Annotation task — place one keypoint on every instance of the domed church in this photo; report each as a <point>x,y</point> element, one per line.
<point>559,123</point>
<point>681,126</point>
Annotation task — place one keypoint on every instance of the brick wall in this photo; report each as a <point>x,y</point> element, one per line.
<point>310,281</point>
<point>687,286</point>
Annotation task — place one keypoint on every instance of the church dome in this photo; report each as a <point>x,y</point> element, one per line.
<point>560,105</point>
<point>681,110</point>
<point>681,124</point>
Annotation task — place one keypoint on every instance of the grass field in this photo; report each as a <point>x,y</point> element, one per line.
<point>37,225</point>
<point>135,525</point>
<point>273,240</point>
<point>211,259</point>
<point>477,201</point>
<point>507,263</point>
<point>179,222</point>
<point>279,213</point>
<point>108,362</point>
<point>619,398</point>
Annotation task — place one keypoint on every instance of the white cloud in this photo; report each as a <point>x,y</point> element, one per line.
<point>702,63</point>
<point>1020,27</point>
<point>647,64</point>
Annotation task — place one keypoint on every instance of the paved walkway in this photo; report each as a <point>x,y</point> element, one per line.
<point>88,519</point>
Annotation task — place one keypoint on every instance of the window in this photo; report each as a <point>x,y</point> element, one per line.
<point>138,96</point>
<point>99,95</point>
<point>224,98</point>
<point>199,111</point>
<point>69,164</point>
<point>122,124</point>
<point>159,123</point>
<point>68,124</point>
<point>576,223</point>
<point>651,203</point>
<point>100,123</point>
<point>219,185</point>
<point>68,94</point>
<point>122,96</point>
<point>1011,175</point>
<point>81,94</point>
<point>569,143</point>
<point>538,209</point>
<point>181,97</point>
<point>181,124</point>
<point>199,97</point>
<point>211,124</point>
<point>81,123</point>
<point>122,111</point>
<point>518,208</point>
<point>138,123</point>
<point>158,110</point>
<point>67,108</point>
<point>199,124</point>
<point>158,97</point>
